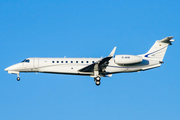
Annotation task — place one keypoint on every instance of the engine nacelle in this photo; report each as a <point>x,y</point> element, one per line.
<point>127,59</point>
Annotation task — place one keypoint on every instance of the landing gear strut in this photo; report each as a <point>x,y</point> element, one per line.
<point>18,78</point>
<point>97,80</point>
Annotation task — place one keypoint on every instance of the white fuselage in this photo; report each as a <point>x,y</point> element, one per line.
<point>73,65</point>
<point>96,67</point>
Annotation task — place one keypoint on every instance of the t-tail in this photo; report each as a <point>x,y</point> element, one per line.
<point>159,48</point>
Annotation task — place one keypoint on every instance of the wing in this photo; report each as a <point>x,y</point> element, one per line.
<point>99,65</point>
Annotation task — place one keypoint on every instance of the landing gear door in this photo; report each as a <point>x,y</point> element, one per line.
<point>36,63</point>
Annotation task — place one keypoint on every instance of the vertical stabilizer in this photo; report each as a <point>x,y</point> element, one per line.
<point>159,48</point>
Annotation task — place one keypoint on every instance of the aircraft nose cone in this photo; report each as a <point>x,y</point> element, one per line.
<point>14,67</point>
<point>6,69</point>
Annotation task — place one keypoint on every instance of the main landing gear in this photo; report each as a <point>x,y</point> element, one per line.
<point>97,80</point>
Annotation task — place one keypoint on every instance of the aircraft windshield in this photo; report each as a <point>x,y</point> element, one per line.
<point>26,60</point>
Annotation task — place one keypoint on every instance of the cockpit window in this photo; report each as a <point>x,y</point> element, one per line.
<point>26,60</point>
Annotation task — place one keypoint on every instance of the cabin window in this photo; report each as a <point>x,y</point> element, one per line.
<point>61,61</point>
<point>76,61</point>
<point>57,61</point>
<point>86,61</point>
<point>71,61</point>
<point>52,61</point>
<point>81,61</point>
<point>66,61</point>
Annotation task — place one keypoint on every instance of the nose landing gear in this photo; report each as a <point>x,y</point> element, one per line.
<point>18,78</point>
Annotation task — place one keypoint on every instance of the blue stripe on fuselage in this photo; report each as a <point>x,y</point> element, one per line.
<point>155,51</point>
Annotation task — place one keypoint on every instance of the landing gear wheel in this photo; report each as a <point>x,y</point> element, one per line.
<point>98,78</point>
<point>18,78</point>
<point>98,82</point>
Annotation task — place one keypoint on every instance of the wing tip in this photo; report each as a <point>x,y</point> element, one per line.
<point>112,52</point>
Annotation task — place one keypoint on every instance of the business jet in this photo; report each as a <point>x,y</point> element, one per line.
<point>96,67</point>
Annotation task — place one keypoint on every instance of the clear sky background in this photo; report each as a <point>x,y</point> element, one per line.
<point>89,28</point>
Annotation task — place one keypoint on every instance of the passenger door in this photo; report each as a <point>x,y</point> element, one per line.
<point>36,63</point>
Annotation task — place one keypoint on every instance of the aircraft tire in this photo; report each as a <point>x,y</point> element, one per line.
<point>18,78</point>
<point>98,78</point>
<point>98,82</point>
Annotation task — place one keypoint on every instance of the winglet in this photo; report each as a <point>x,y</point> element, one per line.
<point>112,52</point>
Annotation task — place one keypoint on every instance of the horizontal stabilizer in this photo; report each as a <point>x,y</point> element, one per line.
<point>167,40</point>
